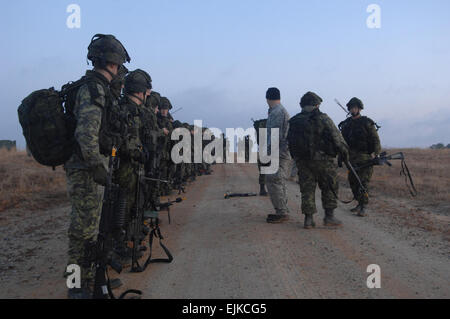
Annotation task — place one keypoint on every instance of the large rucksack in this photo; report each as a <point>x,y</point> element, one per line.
<point>48,123</point>
<point>303,136</point>
<point>309,138</point>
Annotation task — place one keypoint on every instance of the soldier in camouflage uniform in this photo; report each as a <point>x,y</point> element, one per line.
<point>361,135</point>
<point>132,153</point>
<point>167,165</point>
<point>154,134</point>
<point>86,169</point>
<point>314,151</point>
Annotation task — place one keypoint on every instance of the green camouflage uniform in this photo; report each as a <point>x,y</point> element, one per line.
<point>321,168</point>
<point>362,137</point>
<point>126,175</point>
<point>166,164</point>
<point>92,100</point>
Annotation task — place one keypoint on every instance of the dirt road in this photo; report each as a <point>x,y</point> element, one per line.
<point>225,249</point>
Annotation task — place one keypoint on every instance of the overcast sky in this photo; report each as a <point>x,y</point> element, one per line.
<point>215,59</point>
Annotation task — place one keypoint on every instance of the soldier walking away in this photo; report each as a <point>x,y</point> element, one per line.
<point>276,183</point>
<point>314,143</point>
<point>85,170</point>
<point>360,133</point>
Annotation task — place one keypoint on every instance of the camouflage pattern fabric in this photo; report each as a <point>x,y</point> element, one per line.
<point>276,185</point>
<point>85,195</point>
<point>321,169</point>
<point>362,137</point>
<point>312,173</point>
<point>86,198</point>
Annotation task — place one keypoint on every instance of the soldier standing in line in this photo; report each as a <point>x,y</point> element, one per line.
<point>86,169</point>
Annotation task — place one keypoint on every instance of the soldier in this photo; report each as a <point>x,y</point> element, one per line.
<point>262,178</point>
<point>361,135</point>
<point>165,145</point>
<point>85,170</point>
<point>276,184</point>
<point>153,133</point>
<point>132,156</point>
<point>118,82</point>
<point>314,142</point>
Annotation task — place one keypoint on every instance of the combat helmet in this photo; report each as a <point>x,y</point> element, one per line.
<point>165,104</point>
<point>105,48</point>
<point>138,81</point>
<point>154,100</point>
<point>355,102</point>
<point>310,99</point>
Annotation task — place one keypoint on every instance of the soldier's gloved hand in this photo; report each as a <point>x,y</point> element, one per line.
<point>100,175</point>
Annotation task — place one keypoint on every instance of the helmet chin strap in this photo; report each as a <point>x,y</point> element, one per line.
<point>113,76</point>
<point>137,97</point>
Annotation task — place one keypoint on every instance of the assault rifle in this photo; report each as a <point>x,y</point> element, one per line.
<point>231,195</point>
<point>112,221</point>
<point>383,159</point>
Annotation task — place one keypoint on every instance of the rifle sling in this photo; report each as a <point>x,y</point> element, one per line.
<point>411,187</point>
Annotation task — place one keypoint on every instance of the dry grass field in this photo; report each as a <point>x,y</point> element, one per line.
<point>25,184</point>
<point>430,170</point>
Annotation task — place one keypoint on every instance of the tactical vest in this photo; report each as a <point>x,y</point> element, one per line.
<point>356,134</point>
<point>309,138</point>
<point>112,123</point>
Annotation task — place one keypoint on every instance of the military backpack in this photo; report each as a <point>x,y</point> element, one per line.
<point>48,123</point>
<point>307,137</point>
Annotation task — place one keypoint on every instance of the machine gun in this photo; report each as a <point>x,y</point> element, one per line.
<point>112,221</point>
<point>141,226</point>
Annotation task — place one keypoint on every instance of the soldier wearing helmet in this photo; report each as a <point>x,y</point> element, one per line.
<point>86,169</point>
<point>134,149</point>
<point>167,165</point>
<point>360,133</point>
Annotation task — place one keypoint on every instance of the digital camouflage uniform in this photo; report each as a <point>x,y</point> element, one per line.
<point>126,175</point>
<point>151,134</point>
<point>85,194</point>
<point>316,162</point>
<point>276,183</point>
<point>166,165</point>
<point>362,138</point>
